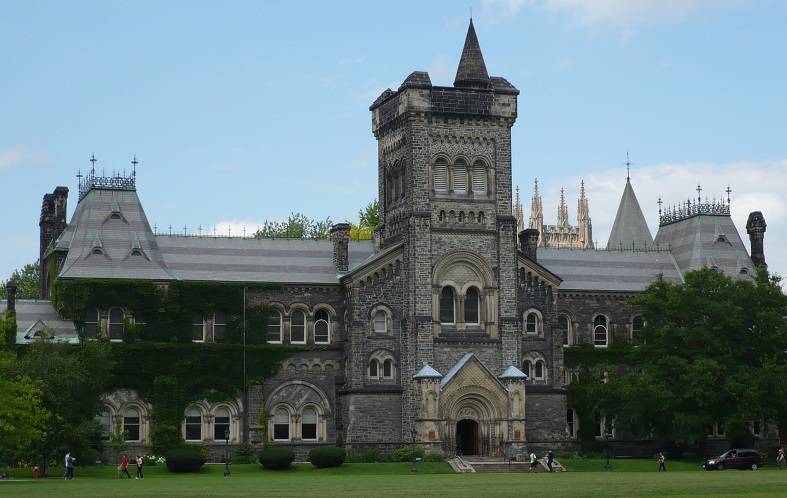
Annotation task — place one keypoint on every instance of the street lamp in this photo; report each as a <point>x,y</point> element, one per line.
<point>413,434</point>
<point>607,435</point>
<point>227,471</point>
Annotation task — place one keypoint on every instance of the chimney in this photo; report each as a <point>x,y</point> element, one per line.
<point>528,243</point>
<point>340,236</point>
<point>10,288</point>
<point>755,227</point>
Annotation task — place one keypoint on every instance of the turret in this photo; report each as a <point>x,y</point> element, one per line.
<point>755,227</point>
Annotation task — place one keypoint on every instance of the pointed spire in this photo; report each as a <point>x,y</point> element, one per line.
<point>562,209</point>
<point>536,211</point>
<point>520,221</point>
<point>630,229</point>
<point>471,72</point>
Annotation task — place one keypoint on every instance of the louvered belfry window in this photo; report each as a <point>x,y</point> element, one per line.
<point>479,178</point>
<point>460,177</point>
<point>441,176</point>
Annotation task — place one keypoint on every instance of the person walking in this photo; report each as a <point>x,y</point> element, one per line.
<point>662,460</point>
<point>550,460</point>
<point>140,463</point>
<point>69,463</point>
<point>124,467</point>
<point>780,459</point>
<point>533,461</point>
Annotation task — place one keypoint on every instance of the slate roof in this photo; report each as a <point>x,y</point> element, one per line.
<point>427,372</point>
<point>707,241</point>
<point>471,72</point>
<point>624,271</point>
<point>630,230</point>
<point>30,312</point>
<point>461,363</point>
<point>513,372</point>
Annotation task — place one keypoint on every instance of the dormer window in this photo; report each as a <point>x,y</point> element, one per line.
<point>115,216</point>
<point>98,251</point>
<point>136,252</point>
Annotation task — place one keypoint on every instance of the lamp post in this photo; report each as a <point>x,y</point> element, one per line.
<point>413,434</point>
<point>607,435</point>
<point>227,471</point>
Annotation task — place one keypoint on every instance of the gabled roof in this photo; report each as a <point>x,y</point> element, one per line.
<point>630,230</point>
<point>427,372</point>
<point>463,361</point>
<point>471,72</point>
<point>513,372</point>
<point>38,319</point>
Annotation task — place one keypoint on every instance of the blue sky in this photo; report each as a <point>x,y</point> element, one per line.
<point>245,111</point>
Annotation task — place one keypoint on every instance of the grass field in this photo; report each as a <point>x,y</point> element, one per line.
<point>393,479</point>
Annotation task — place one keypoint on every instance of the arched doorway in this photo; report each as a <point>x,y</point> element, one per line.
<point>467,437</point>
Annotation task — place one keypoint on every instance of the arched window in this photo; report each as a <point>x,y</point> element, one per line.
<point>221,424</point>
<point>219,326</point>
<point>570,428</point>
<point>380,322</point>
<point>193,424</point>
<point>459,177</point>
<point>388,369</point>
<point>441,176</point>
<point>91,323</point>
<point>197,327</point>
<point>472,306</point>
<point>564,325</point>
<point>539,370</point>
<point>322,327</point>
<point>447,315</point>
<point>481,218</point>
<point>636,326</point>
<point>526,368</point>
<point>131,424</point>
<point>298,327</point>
<point>479,178</point>
<point>116,325</point>
<point>104,421</point>
<point>309,424</point>
<point>600,336</point>
<point>374,368</point>
<point>274,327</point>
<point>281,425</point>
<point>533,322</point>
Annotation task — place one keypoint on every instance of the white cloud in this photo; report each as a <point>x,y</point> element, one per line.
<point>22,155</point>
<point>756,186</point>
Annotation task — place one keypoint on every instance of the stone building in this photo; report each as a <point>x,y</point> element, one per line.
<point>448,329</point>
<point>563,234</point>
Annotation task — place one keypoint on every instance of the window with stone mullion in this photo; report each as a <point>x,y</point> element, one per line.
<point>447,305</point>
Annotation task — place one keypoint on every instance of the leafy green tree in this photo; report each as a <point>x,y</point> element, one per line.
<point>71,380</point>
<point>297,226</point>
<point>22,414</point>
<point>369,217</point>
<point>712,352</point>
<point>26,282</point>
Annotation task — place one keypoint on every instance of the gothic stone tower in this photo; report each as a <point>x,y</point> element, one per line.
<point>445,191</point>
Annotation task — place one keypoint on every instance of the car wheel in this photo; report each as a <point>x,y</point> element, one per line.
<point>754,466</point>
<point>720,466</point>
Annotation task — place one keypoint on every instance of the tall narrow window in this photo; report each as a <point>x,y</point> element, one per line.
<point>104,420</point>
<point>298,327</point>
<point>116,326</point>
<point>526,368</point>
<point>532,323</point>
<point>274,326</point>
<point>459,176</point>
<point>565,329</point>
<point>472,306</point>
<point>91,323</point>
<point>598,425</point>
<point>441,176</point>
<point>539,374</point>
<point>374,369</point>
<point>637,325</point>
<point>131,424</point>
<point>322,327</point>
<point>380,319</point>
<point>600,336</point>
<point>479,178</point>
<point>221,424</point>
<point>388,369</point>
<point>193,424</point>
<point>447,305</point>
<point>219,326</point>
<point>281,425</point>
<point>570,422</point>
<point>197,327</point>
<point>309,423</point>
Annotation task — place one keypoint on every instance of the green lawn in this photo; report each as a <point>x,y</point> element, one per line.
<point>433,479</point>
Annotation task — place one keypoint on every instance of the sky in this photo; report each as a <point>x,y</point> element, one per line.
<point>245,111</point>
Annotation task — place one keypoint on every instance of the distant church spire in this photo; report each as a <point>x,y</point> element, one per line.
<point>583,218</point>
<point>562,210</point>
<point>471,72</point>
<point>536,210</point>
<point>520,218</point>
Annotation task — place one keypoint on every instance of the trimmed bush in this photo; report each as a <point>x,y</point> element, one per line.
<point>406,453</point>
<point>327,457</point>
<point>365,455</point>
<point>433,457</point>
<point>274,458</point>
<point>245,454</point>
<point>186,458</point>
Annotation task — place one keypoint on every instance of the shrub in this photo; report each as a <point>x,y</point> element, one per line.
<point>274,458</point>
<point>433,457</point>
<point>186,458</point>
<point>327,457</point>
<point>406,453</point>
<point>245,454</point>
<point>365,455</point>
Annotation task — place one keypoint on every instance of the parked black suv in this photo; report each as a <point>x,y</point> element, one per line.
<point>740,458</point>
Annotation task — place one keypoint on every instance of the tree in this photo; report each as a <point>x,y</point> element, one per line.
<point>26,282</point>
<point>369,217</point>
<point>712,352</point>
<point>297,226</point>
<point>22,414</point>
<point>71,379</point>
